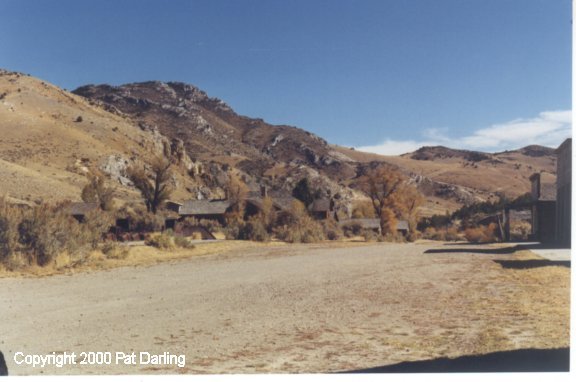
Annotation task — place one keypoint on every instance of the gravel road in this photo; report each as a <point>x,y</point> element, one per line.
<point>297,308</point>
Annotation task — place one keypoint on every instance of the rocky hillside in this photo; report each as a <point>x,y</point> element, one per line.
<point>50,138</point>
<point>209,128</point>
<point>213,133</point>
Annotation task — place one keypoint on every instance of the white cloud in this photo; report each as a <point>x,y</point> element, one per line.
<point>528,131</point>
<point>392,147</point>
<point>549,128</point>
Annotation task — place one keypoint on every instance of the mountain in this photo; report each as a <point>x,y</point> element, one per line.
<point>50,137</point>
<point>451,178</point>
<point>210,129</point>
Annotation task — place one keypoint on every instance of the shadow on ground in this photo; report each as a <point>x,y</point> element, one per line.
<point>517,361</point>
<point>465,248</point>
<point>3,368</point>
<point>518,245</point>
<point>484,251</point>
<point>528,264</point>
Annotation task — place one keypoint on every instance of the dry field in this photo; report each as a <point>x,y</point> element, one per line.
<point>291,308</point>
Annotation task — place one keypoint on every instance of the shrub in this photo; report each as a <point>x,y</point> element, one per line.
<point>363,209</point>
<point>301,228</point>
<point>96,224</point>
<point>442,234</point>
<point>233,228</point>
<point>307,231</point>
<point>311,232</point>
<point>6,248</point>
<point>210,225</point>
<point>164,240</point>
<point>40,234</point>
<point>183,242</point>
<point>285,233</point>
<point>147,222</point>
<point>46,232</point>
<point>452,234</point>
<point>113,250</point>
<point>352,229</point>
<point>254,229</point>
<point>413,236</point>
<point>519,230</point>
<point>370,235</point>
<point>268,215</point>
<point>389,237</point>
<point>9,220</point>
<point>332,230</point>
<point>482,234</point>
<point>95,191</point>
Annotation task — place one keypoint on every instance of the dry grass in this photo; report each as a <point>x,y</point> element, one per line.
<point>138,255</point>
<point>482,234</point>
<point>41,145</point>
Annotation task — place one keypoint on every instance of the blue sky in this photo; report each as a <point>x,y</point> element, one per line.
<point>380,75</point>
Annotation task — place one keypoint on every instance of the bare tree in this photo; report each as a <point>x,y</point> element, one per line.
<point>95,191</point>
<point>155,185</point>
<point>410,201</point>
<point>236,192</point>
<point>390,195</point>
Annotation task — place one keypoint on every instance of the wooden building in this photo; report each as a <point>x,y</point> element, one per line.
<point>543,209</point>
<point>201,209</point>
<point>564,194</point>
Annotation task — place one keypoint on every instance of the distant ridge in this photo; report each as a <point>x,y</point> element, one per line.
<point>442,152</point>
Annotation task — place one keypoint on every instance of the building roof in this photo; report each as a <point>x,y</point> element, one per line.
<point>204,207</point>
<point>284,202</point>
<point>402,225</point>
<point>365,223</point>
<point>319,205</point>
<point>81,208</point>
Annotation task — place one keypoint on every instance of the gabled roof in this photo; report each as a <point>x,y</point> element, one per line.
<point>204,207</point>
<point>365,223</point>
<point>284,202</point>
<point>319,205</point>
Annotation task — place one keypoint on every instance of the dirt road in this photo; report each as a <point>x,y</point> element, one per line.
<point>300,308</point>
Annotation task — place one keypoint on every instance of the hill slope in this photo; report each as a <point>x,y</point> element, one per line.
<point>50,137</point>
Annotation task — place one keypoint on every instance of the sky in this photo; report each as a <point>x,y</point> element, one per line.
<point>385,76</point>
